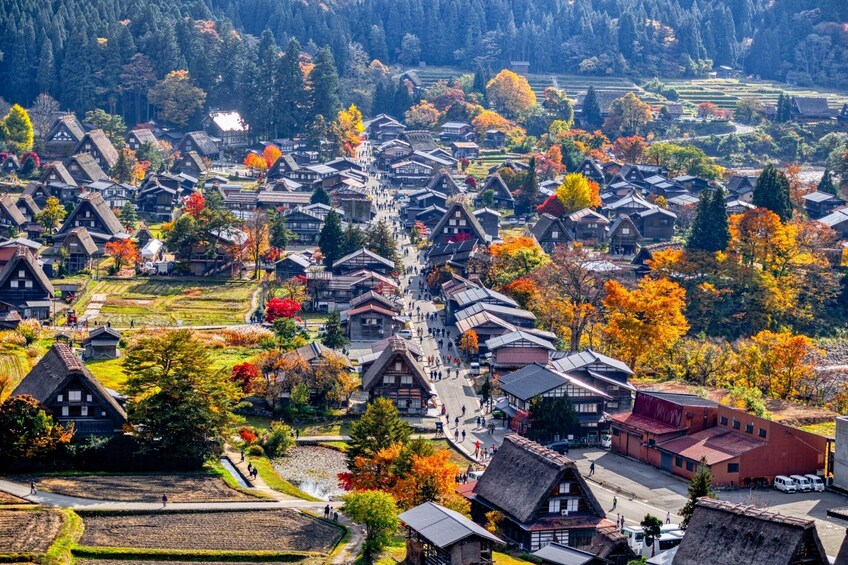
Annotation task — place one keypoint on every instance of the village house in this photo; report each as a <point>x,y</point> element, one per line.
<point>135,139</point>
<point>329,292</point>
<point>601,372</point>
<point>217,256</point>
<point>494,139</point>
<point>647,252</point>
<point>490,220</point>
<point>550,231</point>
<point>228,126</point>
<point>63,137</point>
<point>536,381</point>
<point>399,376</point>
<point>723,533</point>
<point>443,182</point>
<point>656,223</point>
<point>11,219</point>
<point>586,225</point>
<point>370,321</point>
<point>23,285</point>
<point>292,265</point>
<point>486,326</point>
<point>454,254</point>
<point>741,187</point>
<point>80,248</point>
<point>436,535</point>
<point>363,259</point>
<point>590,169</point>
<point>382,128</point>
<point>557,506</point>
<point>201,143</point>
<point>191,164</point>
<point>98,145</point>
<point>820,204</point>
<point>94,214</point>
<point>408,173</point>
<point>514,350</point>
<point>160,196</point>
<point>84,169</point>
<point>558,554</point>
<point>304,224</point>
<point>515,316</point>
<point>101,343</point>
<point>464,150</point>
<point>811,108</point>
<point>27,207</point>
<point>629,205</point>
<point>116,195</point>
<point>458,224</point>
<point>466,298</point>
<point>456,131</point>
<point>502,196</point>
<point>61,382</point>
<point>623,236</point>
<point>838,220</point>
<point>674,432</point>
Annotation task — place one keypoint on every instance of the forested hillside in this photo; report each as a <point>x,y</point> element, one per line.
<point>108,53</point>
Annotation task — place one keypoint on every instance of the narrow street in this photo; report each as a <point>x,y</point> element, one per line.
<point>454,389</point>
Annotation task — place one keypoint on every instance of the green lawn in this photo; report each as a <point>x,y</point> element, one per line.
<point>827,429</point>
<point>164,302</point>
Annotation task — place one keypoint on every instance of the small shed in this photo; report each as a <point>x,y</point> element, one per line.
<point>558,554</point>
<point>436,535</point>
<point>101,343</point>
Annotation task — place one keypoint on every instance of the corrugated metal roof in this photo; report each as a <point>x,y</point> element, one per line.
<point>443,527</point>
<point>563,555</point>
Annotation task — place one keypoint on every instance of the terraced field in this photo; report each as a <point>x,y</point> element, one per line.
<point>726,92</point>
<point>164,302</point>
<point>28,531</point>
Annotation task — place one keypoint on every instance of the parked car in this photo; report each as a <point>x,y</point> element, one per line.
<point>405,334</point>
<point>816,482</point>
<point>785,484</point>
<point>802,483</point>
<point>560,447</point>
<point>606,441</point>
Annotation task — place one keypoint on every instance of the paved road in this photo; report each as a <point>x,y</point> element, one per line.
<point>658,492</point>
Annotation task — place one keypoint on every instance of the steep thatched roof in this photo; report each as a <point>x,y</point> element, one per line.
<point>721,533</point>
<point>8,209</point>
<point>55,370</point>
<point>84,238</point>
<point>506,484</point>
<point>98,140</point>
<point>397,349</point>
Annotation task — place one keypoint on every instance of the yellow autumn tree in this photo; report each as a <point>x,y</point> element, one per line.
<point>644,322</point>
<point>351,127</point>
<point>578,192</point>
<point>469,342</point>
<point>510,94</point>
<point>780,364</point>
<point>514,258</point>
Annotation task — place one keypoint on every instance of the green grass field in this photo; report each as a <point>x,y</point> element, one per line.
<point>164,302</point>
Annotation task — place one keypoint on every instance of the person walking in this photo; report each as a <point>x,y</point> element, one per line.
<point>242,456</point>
<point>456,435</point>
<point>592,469</point>
<point>668,517</point>
<point>32,487</point>
<point>327,511</point>
<point>614,502</point>
<point>463,439</point>
<point>164,500</point>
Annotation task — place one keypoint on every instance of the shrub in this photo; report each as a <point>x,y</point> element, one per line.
<point>245,335</point>
<point>246,375</point>
<point>12,338</point>
<point>255,450</point>
<point>247,435</point>
<point>277,441</point>
<point>30,330</point>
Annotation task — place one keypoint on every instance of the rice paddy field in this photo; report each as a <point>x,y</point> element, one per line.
<point>723,92</point>
<point>169,302</point>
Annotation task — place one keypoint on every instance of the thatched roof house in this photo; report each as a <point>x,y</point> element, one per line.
<point>721,533</point>
<point>555,506</point>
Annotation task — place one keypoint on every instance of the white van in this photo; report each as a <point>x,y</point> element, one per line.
<point>475,368</point>
<point>802,483</point>
<point>785,484</point>
<point>816,482</point>
<point>635,538</point>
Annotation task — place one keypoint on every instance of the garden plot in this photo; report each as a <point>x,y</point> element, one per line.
<point>167,302</point>
<point>28,531</point>
<point>266,530</point>
<point>144,488</point>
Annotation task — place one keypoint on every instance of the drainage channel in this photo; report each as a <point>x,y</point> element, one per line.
<point>231,469</point>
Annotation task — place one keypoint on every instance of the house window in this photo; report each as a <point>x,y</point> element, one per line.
<point>84,411</point>
<point>13,284</point>
<point>564,488</point>
<point>723,420</point>
<point>402,402</point>
<point>64,410</point>
<point>690,465</point>
<point>27,284</point>
<point>733,467</point>
<point>571,504</point>
<point>749,428</point>
<point>88,398</point>
<point>625,231</point>
<point>612,405</point>
<point>762,432</point>
<point>553,506</point>
<point>586,408</point>
<point>554,234</point>
<point>74,396</point>
<point>678,461</point>
<point>389,380</point>
<point>21,274</point>
<point>736,424</point>
<point>59,398</point>
<point>398,365</point>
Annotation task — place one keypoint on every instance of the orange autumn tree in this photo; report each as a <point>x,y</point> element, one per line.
<point>522,290</point>
<point>194,205</point>
<point>123,252</point>
<point>255,163</point>
<point>469,342</point>
<point>510,93</point>
<point>270,154</point>
<point>629,149</point>
<point>780,364</point>
<point>645,322</point>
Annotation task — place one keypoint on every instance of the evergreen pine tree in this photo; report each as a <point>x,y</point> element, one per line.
<point>128,215</point>
<point>380,427</point>
<point>402,100</point>
<point>592,110</point>
<point>331,238</point>
<point>290,92</point>
<point>709,229</point>
<point>46,73</point>
<point>772,192</point>
<point>481,77</point>
<point>320,196</point>
<point>382,242</point>
<point>325,86</point>
<point>826,183</point>
<point>700,485</point>
<point>354,239</point>
<point>334,334</point>
<point>382,103</point>
<point>529,190</point>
